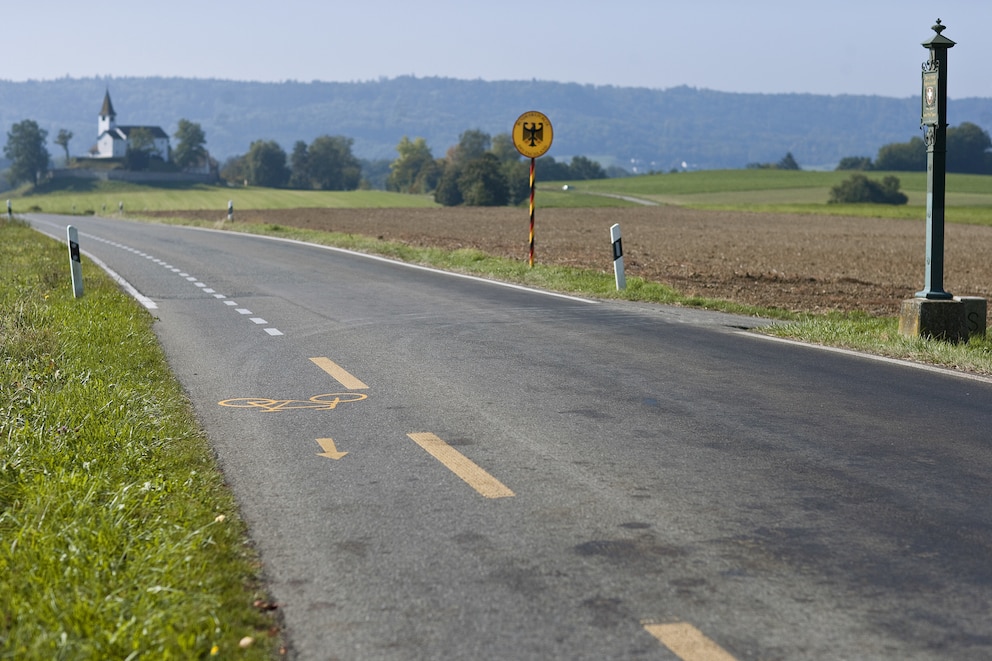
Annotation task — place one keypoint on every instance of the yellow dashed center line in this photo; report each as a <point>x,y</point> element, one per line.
<point>462,466</point>
<point>688,642</point>
<point>338,373</point>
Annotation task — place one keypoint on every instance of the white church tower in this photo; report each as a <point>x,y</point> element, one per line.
<point>108,118</point>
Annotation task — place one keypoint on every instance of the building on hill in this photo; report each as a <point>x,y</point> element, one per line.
<point>113,140</point>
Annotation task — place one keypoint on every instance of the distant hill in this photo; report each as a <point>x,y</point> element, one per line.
<point>647,128</point>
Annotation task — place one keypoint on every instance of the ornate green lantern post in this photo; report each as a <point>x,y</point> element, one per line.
<point>933,312</point>
<point>934,123</point>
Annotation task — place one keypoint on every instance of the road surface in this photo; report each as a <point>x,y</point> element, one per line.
<point>435,466</point>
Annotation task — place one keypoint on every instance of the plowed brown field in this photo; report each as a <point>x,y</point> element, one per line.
<point>796,262</point>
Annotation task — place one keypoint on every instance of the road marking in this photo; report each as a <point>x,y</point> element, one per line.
<point>338,373</point>
<point>462,466</point>
<point>329,449</point>
<point>327,402</point>
<point>687,642</point>
<point>258,320</point>
<point>273,331</point>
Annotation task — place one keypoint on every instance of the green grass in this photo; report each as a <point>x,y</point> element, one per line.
<point>118,538</point>
<point>969,197</point>
<point>104,197</point>
<point>880,336</point>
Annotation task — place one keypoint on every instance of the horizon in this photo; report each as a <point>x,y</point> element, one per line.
<point>764,47</point>
<point>380,79</point>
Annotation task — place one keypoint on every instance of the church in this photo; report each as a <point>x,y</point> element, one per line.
<point>113,140</point>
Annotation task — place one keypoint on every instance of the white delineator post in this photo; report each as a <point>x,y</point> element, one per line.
<point>74,263</point>
<point>618,257</point>
<point>230,210</point>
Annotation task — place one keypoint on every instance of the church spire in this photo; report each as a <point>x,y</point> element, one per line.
<point>107,115</point>
<point>108,108</point>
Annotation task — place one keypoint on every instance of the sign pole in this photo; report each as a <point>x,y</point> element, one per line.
<point>531,258</point>
<point>934,121</point>
<point>532,135</point>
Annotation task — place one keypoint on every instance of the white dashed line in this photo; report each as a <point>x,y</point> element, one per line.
<point>190,278</point>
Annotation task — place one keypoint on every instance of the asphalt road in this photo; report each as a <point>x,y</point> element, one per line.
<point>538,477</point>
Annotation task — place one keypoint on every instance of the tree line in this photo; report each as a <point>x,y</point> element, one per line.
<point>30,160</point>
<point>481,170</point>
<point>968,151</point>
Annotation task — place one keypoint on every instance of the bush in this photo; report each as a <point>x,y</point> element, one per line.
<point>854,163</point>
<point>859,189</point>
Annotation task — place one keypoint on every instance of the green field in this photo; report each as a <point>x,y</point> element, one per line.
<point>969,197</point>
<point>101,197</point>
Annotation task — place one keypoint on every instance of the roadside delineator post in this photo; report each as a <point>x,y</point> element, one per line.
<point>532,136</point>
<point>618,273</point>
<point>230,210</point>
<point>10,211</point>
<point>75,265</point>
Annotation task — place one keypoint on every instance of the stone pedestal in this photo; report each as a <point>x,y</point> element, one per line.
<point>932,318</point>
<point>975,314</point>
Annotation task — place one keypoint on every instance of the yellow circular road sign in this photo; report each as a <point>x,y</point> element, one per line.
<point>532,134</point>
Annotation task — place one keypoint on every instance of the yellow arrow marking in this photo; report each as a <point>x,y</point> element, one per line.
<point>329,449</point>
<point>338,373</point>
<point>462,466</point>
<point>687,642</point>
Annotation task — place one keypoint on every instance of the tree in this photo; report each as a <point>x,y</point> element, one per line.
<point>190,144</point>
<point>504,149</point>
<point>482,183</point>
<point>967,147</point>
<point>414,170</point>
<point>788,162</point>
<point>331,164</point>
<point>140,146</point>
<point>859,189</point>
<point>62,140</point>
<point>448,192</point>
<point>854,163</point>
<point>266,164</point>
<point>472,144</point>
<point>26,150</point>
<point>235,170</point>
<point>299,166</point>
<point>548,169</point>
<point>582,168</point>
<point>517,175</point>
<point>903,156</point>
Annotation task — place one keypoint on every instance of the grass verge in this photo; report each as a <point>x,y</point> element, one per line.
<point>118,537</point>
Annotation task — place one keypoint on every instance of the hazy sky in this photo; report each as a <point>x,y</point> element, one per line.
<point>823,47</point>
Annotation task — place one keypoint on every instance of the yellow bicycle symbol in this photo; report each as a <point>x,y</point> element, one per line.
<point>317,402</point>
